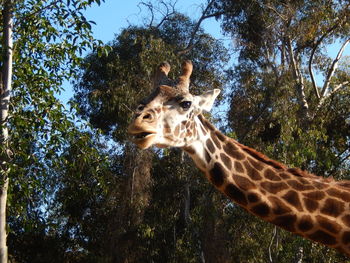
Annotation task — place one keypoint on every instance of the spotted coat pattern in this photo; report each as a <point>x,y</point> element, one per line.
<point>307,205</point>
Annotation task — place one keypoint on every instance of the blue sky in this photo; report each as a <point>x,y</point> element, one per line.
<point>113,15</point>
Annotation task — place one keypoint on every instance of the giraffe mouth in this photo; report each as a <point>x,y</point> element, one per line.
<point>142,135</point>
<point>142,138</point>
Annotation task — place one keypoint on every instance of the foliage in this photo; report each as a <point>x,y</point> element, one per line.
<point>273,112</point>
<point>49,38</point>
<point>276,105</point>
<point>109,85</point>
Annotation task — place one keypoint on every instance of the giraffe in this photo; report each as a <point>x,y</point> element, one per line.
<point>313,207</point>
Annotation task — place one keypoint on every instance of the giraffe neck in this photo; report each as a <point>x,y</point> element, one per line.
<point>307,205</point>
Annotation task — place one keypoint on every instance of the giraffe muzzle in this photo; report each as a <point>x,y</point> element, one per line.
<point>142,135</point>
<point>143,138</point>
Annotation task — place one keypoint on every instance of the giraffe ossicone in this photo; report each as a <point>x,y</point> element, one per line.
<point>314,207</point>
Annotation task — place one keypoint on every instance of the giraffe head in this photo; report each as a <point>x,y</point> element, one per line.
<point>167,117</point>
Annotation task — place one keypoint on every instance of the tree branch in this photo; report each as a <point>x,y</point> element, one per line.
<point>339,86</point>
<point>150,8</point>
<point>169,11</point>
<point>316,45</point>
<point>284,18</point>
<point>314,85</point>
<point>299,78</point>
<point>37,12</point>
<point>296,70</point>
<point>337,23</point>
<point>336,88</point>
<point>204,16</point>
<point>332,69</point>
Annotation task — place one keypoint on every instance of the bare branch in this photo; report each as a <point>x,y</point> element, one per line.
<point>277,13</point>
<point>296,70</point>
<point>165,9</point>
<point>339,22</point>
<point>299,77</point>
<point>270,59</point>
<point>314,85</point>
<point>339,86</point>
<point>150,7</point>
<point>204,16</point>
<point>168,12</point>
<point>316,45</point>
<point>333,68</point>
<point>336,88</point>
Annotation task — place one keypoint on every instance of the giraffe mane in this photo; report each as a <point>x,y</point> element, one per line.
<point>277,165</point>
<point>344,184</point>
<point>261,157</point>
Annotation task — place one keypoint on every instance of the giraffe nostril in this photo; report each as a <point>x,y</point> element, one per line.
<point>140,107</point>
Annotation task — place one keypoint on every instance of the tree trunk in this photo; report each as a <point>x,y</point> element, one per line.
<point>4,104</point>
<point>3,199</point>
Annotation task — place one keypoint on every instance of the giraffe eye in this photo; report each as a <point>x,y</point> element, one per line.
<point>185,104</point>
<point>140,107</point>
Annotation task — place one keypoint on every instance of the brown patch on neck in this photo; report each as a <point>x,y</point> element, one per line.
<point>206,123</point>
<point>189,150</point>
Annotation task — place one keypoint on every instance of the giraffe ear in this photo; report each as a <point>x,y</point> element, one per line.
<point>205,101</point>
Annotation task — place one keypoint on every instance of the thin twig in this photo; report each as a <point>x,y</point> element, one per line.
<point>169,10</point>
<point>204,16</point>
<point>278,13</point>
<point>339,86</point>
<point>126,106</point>
<point>271,242</point>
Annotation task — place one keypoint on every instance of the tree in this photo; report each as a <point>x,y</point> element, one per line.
<point>107,87</point>
<point>274,107</point>
<point>284,110</point>
<point>278,61</point>
<point>5,90</point>
<point>48,37</point>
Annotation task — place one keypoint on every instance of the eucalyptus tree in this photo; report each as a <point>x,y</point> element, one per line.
<point>46,44</point>
<point>290,98</point>
<point>5,90</point>
<point>293,75</point>
<point>106,90</point>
